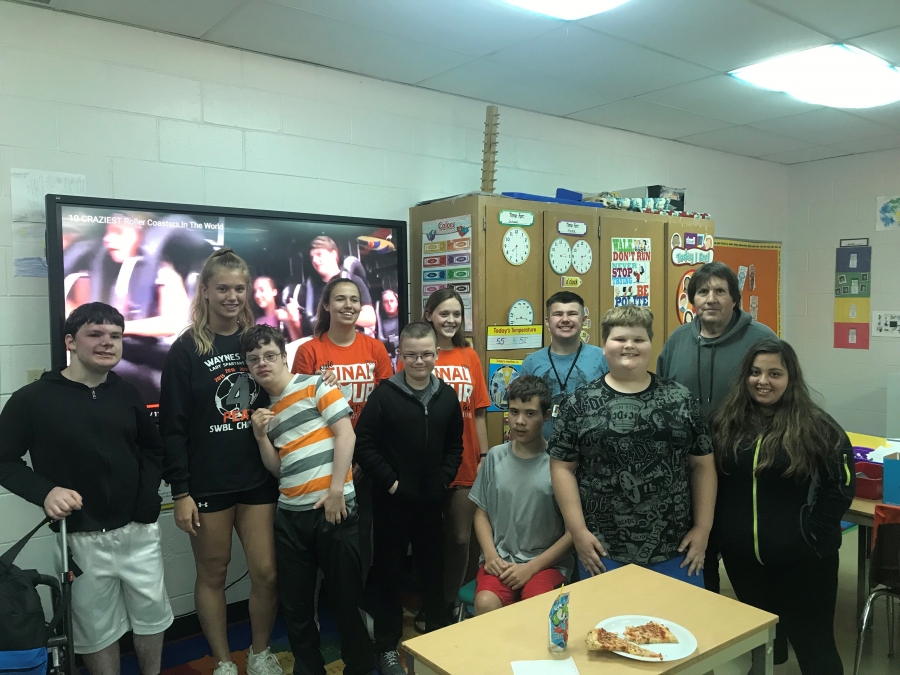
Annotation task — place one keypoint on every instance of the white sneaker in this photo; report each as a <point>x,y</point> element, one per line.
<point>226,668</point>
<point>264,663</point>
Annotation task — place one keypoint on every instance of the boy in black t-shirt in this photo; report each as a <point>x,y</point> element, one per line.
<point>630,442</point>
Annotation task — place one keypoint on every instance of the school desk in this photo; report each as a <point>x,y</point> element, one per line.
<point>487,644</point>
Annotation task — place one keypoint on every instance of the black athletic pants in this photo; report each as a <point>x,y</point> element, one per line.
<point>363,489</point>
<point>305,542</point>
<point>397,524</point>
<point>803,595</point>
<point>711,580</point>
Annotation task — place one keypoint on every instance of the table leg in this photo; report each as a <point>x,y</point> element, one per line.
<point>864,544</point>
<point>763,656</point>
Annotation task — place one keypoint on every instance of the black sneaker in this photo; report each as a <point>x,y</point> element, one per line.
<point>389,663</point>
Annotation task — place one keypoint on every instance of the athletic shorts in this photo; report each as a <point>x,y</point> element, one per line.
<point>121,587</point>
<point>267,493</point>
<point>543,581</point>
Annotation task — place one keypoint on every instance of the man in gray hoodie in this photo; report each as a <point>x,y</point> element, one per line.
<point>704,354</point>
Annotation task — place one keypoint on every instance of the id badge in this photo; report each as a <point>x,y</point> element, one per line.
<point>555,412</point>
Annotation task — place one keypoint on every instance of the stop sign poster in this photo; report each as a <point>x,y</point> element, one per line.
<point>630,271</point>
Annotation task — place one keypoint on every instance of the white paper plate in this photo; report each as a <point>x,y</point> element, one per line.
<point>687,643</point>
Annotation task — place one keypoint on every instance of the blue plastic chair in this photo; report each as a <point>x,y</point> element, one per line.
<point>466,597</point>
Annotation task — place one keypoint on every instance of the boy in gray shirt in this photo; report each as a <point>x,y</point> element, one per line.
<point>526,549</point>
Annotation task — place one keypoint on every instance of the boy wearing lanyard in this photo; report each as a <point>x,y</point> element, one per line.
<point>568,363</point>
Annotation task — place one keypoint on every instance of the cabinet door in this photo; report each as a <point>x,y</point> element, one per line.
<point>579,236</point>
<point>506,283</point>
<point>633,268</point>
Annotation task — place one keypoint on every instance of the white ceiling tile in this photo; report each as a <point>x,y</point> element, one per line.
<point>582,54</point>
<point>720,34</point>
<point>841,19</point>
<point>871,144</point>
<point>745,141</point>
<point>826,126</point>
<point>885,44</point>
<point>172,16</point>
<point>648,118</point>
<point>727,98</point>
<point>277,29</point>
<point>806,155</point>
<point>507,85</point>
<point>476,27</point>
<point>889,115</point>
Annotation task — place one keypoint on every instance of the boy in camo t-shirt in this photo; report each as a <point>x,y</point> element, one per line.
<point>631,462</point>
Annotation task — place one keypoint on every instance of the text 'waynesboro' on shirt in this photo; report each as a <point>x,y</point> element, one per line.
<point>204,416</point>
<point>633,475</point>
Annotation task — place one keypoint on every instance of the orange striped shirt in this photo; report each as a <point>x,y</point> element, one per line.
<point>302,434</point>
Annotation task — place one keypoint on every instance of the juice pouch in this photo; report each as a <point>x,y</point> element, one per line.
<point>559,623</point>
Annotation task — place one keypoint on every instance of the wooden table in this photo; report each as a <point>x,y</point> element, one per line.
<point>486,645</point>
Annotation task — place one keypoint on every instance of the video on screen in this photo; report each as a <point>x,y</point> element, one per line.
<point>147,265</point>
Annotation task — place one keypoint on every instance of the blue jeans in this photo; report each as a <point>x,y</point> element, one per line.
<point>670,568</point>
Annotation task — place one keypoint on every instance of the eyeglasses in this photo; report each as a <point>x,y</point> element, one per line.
<point>427,356</point>
<point>271,357</point>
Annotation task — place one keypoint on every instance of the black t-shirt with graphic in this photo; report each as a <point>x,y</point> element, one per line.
<point>633,475</point>
<point>204,416</point>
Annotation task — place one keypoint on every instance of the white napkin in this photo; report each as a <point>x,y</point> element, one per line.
<point>553,667</point>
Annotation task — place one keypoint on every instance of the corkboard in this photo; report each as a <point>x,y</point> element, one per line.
<point>765,257</point>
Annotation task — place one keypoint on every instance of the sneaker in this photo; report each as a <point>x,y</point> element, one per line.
<point>389,663</point>
<point>264,663</point>
<point>226,668</point>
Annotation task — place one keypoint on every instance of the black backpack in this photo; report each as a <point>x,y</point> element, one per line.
<point>22,624</point>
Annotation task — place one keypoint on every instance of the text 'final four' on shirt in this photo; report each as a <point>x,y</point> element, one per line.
<point>460,368</point>
<point>359,367</point>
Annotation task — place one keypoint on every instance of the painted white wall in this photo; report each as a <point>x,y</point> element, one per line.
<point>831,200</point>
<point>155,117</point>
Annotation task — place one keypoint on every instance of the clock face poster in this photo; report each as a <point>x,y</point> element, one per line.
<point>447,259</point>
<point>630,271</point>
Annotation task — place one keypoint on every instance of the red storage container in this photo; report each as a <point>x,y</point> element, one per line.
<point>869,480</point>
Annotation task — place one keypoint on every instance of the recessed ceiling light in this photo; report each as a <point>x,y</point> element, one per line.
<point>570,10</point>
<point>837,76</point>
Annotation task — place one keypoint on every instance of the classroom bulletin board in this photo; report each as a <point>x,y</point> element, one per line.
<point>758,266</point>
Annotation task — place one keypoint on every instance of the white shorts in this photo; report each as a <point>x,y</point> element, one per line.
<point>122,587</point>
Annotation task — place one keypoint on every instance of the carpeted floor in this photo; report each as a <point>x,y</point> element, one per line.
<point>190,656</point>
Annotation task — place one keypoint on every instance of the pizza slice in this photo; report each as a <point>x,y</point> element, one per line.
<point>601,640</point>
<point>650,633</point>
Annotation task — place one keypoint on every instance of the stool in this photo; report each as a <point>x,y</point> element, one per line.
<point>466,597</point>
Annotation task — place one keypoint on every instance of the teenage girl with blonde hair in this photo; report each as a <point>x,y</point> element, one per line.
<point>212,462</point>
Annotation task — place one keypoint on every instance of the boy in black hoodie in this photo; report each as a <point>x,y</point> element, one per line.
<point>409,441</point>
<point>97,462</point>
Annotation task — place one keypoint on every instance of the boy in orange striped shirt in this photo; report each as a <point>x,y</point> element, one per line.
<point>306,439</point>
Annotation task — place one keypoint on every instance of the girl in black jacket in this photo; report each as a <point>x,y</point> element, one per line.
<point>786,477</point>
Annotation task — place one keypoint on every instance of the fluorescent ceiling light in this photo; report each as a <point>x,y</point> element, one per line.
<point>570,10</point>
<point>837,76</point>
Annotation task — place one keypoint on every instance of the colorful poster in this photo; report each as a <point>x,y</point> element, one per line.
<point>692,248</point>
<point>447,259</point>
<point>501,373</point>
<point>852,290</point>
<point>630,271</point>
<point>887,213</point>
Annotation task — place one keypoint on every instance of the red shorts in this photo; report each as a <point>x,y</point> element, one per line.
<point>543,581</point>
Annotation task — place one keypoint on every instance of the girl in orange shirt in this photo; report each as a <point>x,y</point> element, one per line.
<point>459,366</point>
<point>358,363</point>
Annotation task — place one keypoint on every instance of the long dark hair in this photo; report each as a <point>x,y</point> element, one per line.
<point>323,316</point>
<point>800,434</point>
<point>434,300</point>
